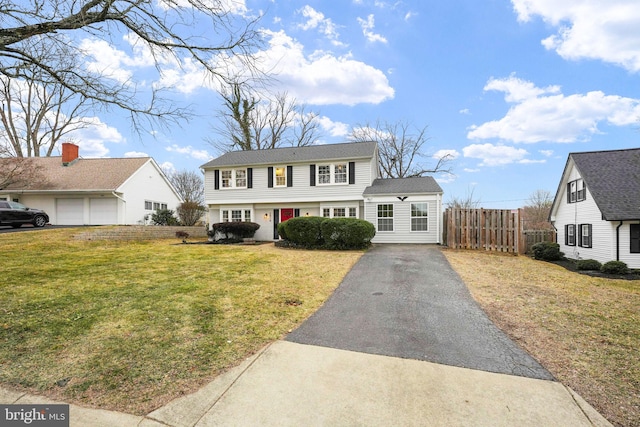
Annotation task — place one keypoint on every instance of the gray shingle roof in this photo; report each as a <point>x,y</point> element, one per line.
<point>312,153</point>
<point>395,186</point>
<point>613,179</point>
<point>83,174</point>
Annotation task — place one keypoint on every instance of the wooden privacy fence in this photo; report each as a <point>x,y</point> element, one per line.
<point>489,229</point>
<point>537,236</point>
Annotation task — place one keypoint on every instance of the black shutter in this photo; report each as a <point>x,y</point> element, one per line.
<point>569,192</point>
<point>276,220</point>
<point>249,177</point>
<point>296,213</point>
<point>312,175</point>
<point>566,234</point>
<point>289,176</point>
<point>270,177</point>
<point>580,234</point>
<point>352,172</point>
<point>635,238</point>
<point>216,179</point>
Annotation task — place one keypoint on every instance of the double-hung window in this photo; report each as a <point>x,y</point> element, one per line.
<point>233,178</point>
<point>584,235</point>
<point>419,216</point>
<point>333,174</point>
<point>385,217</point>
<point>576,191</point>
<point>280,176</point>
<point>570,234</point>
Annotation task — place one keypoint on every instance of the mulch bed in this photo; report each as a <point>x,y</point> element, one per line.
<point>571,266</point>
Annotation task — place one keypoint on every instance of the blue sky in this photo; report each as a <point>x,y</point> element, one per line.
<point>508,87</point>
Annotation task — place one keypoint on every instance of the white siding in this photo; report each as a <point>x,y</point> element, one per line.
<point>603,232</point>
<point>147,183</point>
<point>300,191</point>
<point>402,219</point>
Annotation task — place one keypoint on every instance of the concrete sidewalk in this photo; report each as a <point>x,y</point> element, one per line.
<point>291,384</point>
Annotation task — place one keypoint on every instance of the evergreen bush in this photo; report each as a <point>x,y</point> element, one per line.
<point>547,251</point>
<point>614,267</point>
<point>588,264</point>
<point>347,233</point>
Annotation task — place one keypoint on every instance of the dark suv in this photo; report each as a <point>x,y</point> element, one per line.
<point>15,214</point>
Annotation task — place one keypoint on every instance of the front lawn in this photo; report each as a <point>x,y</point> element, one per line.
<point>584,330</point>
<point>131,325</point>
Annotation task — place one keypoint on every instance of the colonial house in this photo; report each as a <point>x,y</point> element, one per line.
<point>78,191</point>
<point>596,210</point>
<point>333,180</point>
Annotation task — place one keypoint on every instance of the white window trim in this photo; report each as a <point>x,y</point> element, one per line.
<point>275,177</point>
<point>243,213</point>
<point>233,179</point>
<point>411,217</point>
<point>392,218</point>
<point>332,174</point>
<point>346,211</point>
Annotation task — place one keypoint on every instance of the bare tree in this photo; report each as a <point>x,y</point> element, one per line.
<point>170,30</point>
<point>250,122</point>
<point>20,173</point>
<point>536,212</point>
<point>189,185</point>
<point>468,201</point>
<point>36,116</point>
<point>400,149</point>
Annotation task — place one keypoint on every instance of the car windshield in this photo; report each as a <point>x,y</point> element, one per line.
<point>16,205</point>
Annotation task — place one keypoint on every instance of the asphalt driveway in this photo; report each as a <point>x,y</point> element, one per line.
<point>406,301</point>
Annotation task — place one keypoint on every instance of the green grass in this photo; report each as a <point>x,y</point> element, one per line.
<point>131,325</point>
<point>584,330</point>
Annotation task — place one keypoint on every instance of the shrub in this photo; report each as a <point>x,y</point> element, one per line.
<point>588,264</point>
<point>614,267</point>
<point>233,230</point>
<point>190,213</point>
<point>547,251</point>
<point>304,230</point>
<point>282,232</point>
<point>347,233</point>
<point>164,217</point>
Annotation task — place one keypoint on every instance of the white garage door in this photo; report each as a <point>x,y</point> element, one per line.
<point>69,211</point>
<point>103,211</point>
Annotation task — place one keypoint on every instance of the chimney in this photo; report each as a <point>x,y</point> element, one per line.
<point>69,153</point>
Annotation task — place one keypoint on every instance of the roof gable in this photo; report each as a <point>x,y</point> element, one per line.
<point>394,186</point>
<point>311,153</point>
<point>83,174</point>
<point>613,180</point>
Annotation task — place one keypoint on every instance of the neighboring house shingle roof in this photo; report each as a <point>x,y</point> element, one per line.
<point>312,153</point>
<point>83,174</point>
<point>402,186</point>
<point>613,179</point>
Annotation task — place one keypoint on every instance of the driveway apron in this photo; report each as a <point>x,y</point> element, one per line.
<point>406,301</point>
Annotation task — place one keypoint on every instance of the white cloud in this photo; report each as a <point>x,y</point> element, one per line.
<point>546,153</point>
<point>464,111</point>
<point>494,155</point>
<point>469,170</point>
<point>335,129</point>
<point>367,29</point>
<point>592,29</point>
<point>168,168</point>
<point>93,138</point>
<point>317,20</point>
<point>190,151</point>
<point>453,154</point>
<point>136,154</point>
<point>322,78</point>
<point>545,114</point>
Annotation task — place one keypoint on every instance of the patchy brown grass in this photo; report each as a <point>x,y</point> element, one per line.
<point>131,325</point>
<point>584,330</point>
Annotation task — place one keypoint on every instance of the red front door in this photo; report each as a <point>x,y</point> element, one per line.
<point>286,214</point>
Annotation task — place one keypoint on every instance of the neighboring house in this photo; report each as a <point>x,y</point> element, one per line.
<point>77,191</point>
<point>334,180</point>
<point>596,210</point>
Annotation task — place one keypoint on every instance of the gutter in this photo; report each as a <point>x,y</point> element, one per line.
<point>618,241</point>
